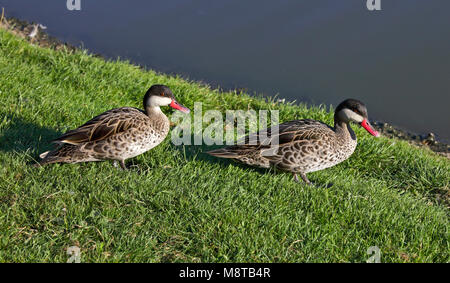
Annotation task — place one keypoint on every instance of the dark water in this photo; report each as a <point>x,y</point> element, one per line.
<point>320,51</point>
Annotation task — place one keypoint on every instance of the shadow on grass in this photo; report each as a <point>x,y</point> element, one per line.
<point>199,152</point>
<point>21,136</point>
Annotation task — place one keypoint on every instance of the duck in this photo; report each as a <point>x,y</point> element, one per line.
<point>303,146</point>
<point>117,134</point>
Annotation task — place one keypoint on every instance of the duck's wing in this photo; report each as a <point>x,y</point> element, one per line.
<point>269,140</point>
<point>301,130</point>
<point>306,135</point>
<point>102,126</point>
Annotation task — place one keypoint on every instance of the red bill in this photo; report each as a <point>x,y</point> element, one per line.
<point>175,105</point>
<point>366,125</point>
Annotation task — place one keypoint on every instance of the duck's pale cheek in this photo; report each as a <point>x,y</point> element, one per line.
<point>159,101</point>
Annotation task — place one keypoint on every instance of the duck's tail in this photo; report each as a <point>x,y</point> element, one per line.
<point>49,157</point>
<point>244,154</point>
<point>62,154</point>
<point>225,152</point>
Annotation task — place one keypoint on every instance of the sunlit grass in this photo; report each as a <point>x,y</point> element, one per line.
<point>178,204</point>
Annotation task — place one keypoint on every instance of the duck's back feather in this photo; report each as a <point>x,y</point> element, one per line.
<point>303,146</point>
<point>103,126</point>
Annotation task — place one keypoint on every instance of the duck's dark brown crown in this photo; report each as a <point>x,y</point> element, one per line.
<point>352,104</point>
<point>158,90</point>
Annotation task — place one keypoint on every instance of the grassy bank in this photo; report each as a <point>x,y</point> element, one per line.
<point>179,204</point>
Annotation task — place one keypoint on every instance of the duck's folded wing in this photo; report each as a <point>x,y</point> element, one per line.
<point>283,134</point>
<point>100,127</point>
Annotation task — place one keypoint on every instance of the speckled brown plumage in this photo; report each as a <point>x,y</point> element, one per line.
<point>117,134</point>
<point>303,145</point>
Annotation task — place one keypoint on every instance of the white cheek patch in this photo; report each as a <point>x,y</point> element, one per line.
<point>159,101</point>
<point>349,115</point>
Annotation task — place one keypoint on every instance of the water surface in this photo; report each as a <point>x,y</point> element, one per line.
<point>396,60</point>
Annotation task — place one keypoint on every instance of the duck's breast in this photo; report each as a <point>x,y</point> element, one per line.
<point>145,138</point>
<point>329,154</point>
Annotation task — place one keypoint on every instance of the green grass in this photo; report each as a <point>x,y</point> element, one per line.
<point>179,205</point>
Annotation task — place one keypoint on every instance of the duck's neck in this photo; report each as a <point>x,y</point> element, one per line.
<point>343,130</point>
<point>158,119</point>
<point>153,111</point>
